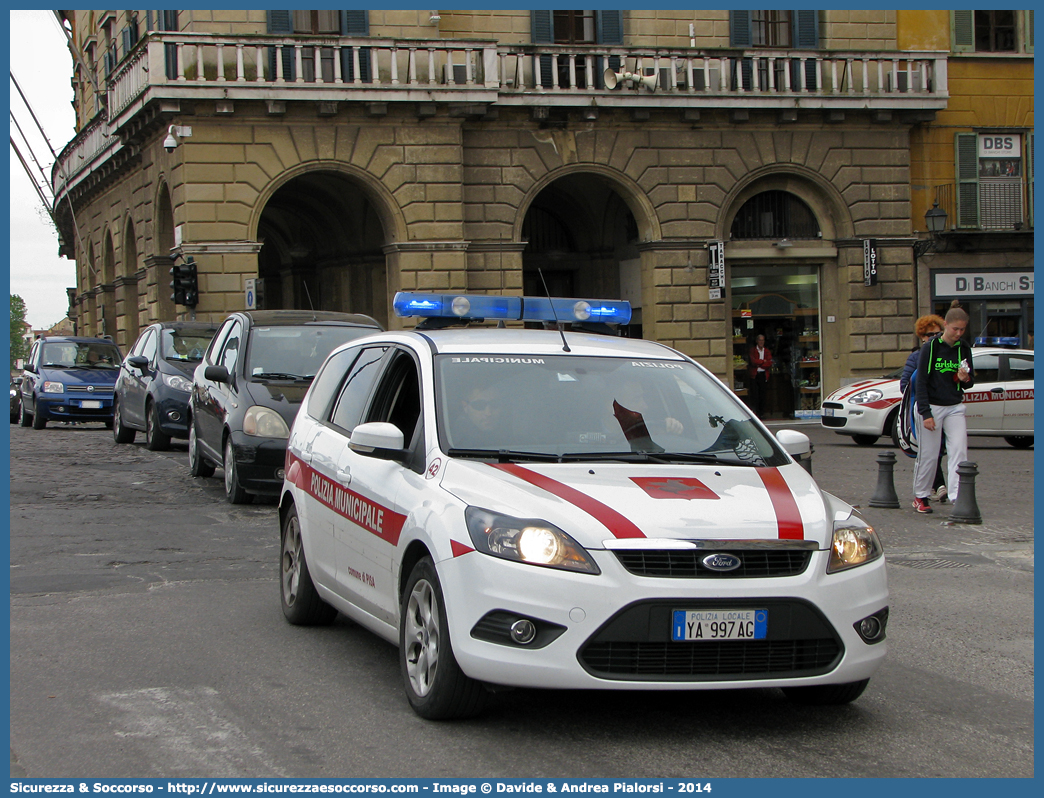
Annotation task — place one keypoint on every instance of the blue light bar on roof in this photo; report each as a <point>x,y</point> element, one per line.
<point>576,310</point>
<point>510,308</point>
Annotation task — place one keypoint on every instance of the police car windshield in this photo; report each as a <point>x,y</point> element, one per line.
<point>288,352</point>
<point>598,408</point>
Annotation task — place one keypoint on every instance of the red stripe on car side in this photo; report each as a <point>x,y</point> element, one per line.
<point>861,386</point>
<point>616,523</point>
<point>375,518</point>
<point>788,518</point>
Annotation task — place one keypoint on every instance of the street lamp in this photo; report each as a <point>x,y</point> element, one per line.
<point>935,221</point>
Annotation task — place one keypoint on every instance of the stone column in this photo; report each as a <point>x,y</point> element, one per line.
<point>434,266</point>
<point>495,267</point>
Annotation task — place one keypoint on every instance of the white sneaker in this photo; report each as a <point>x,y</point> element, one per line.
<point>939,495</point>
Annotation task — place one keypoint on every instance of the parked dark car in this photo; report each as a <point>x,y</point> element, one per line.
<point>247,390</point>
<point>16,399</point>
<point>69,378</point>
<point>152,391</point>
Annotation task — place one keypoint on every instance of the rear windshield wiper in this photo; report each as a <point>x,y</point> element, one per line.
<point>504,455</point>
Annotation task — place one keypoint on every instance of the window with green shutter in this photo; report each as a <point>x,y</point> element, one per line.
<point>967,166</point>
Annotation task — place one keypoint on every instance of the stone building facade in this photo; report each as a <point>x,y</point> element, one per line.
<point>340,157</point>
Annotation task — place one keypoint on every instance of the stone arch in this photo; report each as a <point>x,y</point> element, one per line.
<point>128,265</point>
<point>127,304</point>
<point>821,196</point>
<point>108,270</point>
<point>163,239</point>
<point>637,201</point>
<point>323,228</point>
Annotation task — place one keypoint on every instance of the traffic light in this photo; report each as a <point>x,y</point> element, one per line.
<point>185,283</point>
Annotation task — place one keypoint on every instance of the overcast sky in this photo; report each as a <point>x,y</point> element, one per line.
<point>41,64</point>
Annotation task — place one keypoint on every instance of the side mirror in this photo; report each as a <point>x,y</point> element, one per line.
<point>797,445</point>
<point>30,368</point>
<point>378,439</point>
<point>138,361</point>
<point>216,373</point>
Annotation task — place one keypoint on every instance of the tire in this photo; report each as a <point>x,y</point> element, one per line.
<point>301,603</point>
<point>1020,441</point>
<point>156,440</point>
<point>822,695</point>
<point>25,417</point>
<point>865,440</point>
<point>436,687</point>
<point>892,428</point>
<point>120,433</point>
<point>39,422</point>
<point>198,467</point>
<point>233,492</point>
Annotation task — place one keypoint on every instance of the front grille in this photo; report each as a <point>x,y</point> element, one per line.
<point>99,392</point>
<point>686,563</point>
<point>833,421</point>
<point>636,645</point>
<point>759,658</point>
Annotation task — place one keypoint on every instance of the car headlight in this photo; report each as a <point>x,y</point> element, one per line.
<point>177,382</point>
<point>869,395</point>
<point>527,540</point>
<point>265,423</point>
<point>14,393</point>
<point>854,543</point>
<point>53,387</point>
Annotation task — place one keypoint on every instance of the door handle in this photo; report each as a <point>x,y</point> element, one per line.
<point>344,476</point>
<point>996,390</point>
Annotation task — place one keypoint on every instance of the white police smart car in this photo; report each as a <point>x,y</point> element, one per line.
<point>557,509</point>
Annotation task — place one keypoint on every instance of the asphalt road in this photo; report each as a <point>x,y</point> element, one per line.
<point>147,641</point>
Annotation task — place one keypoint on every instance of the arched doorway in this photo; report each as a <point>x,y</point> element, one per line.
<point>322,242</point>
<point>127,297</point>
<point>583,239</point>
<point>777,297</point>
<point>164,241</point>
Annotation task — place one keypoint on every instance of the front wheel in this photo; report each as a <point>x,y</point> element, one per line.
<point>39,422</point>
<point>233,492</point>
<point>198,467</point>
<point>435,685</point>
<point>156,440</point>
<point>25,416</point>
<point>120,433</point>
<point>865,440</point>
<point>301,603</point>
<point>821,695</point>
<point>1020,441</point>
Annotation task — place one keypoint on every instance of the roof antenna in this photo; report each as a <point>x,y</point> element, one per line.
<point>308,294</point>
<point>558,324</point>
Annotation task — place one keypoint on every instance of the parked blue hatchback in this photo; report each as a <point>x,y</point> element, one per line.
<point>69,379</point>
<point>152,391</point>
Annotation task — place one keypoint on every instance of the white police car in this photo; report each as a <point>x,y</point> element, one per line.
<point>556,509</point>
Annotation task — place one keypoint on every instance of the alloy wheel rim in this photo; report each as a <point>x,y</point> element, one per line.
<point>230,467</point>
<point>192,444</point>
<point>291,562</point>
<point>422,637</point>
<point>149,426</point>
<point>116,425</point>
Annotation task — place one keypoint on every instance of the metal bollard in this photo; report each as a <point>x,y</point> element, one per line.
<point>884,495</point>
<point>966,510</point>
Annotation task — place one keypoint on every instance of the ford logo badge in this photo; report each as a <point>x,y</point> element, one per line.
<point>721,562</point>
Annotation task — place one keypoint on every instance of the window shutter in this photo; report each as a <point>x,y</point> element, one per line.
<point>148,21</point>
<point>966,146</point>
<point>168,21</point>
<point>609,31</point>
<point>355,23</point>
<point>1029,178</point>
<point>281,23</point>
<point>1029,31</point>
<point>543,32</point>
<point>806,29</point>
<point>739,29</point>
<point>963,24</point>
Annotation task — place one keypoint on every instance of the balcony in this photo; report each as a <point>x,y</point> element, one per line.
<point>472,76</point>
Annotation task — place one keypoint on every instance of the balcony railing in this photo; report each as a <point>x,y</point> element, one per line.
<point>987,205</point>
<point>200,66</point>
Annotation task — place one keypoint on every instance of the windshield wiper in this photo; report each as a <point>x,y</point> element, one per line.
<point>281,375</point>
<point>643,457</point>
<point>504,455</point>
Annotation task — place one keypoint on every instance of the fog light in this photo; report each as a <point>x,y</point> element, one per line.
<point>523,632</point>
<point>174,415</point>
<point>872,627</point>
<point>279,473</point>
<point>58,409</point>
